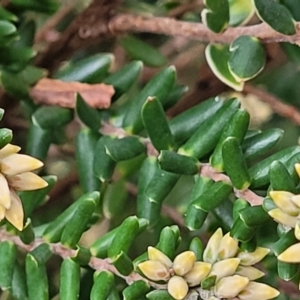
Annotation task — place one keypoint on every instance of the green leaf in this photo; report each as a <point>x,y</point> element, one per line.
<point>275,15</point>
<point>136,290</point>
<point>8,254</point>
<point>51,117</point>
<point>7,15</point>
<point>254,216</point>
<point>179,164</point>
<point>167,242</point>
<point>217,57</point>
<point>124,148</point>
<point>92,69</point>
<point>69,280</point>
<point>42,253</point>
<point>159,295</point>
<point>159,86</point>
<point>216,17</point>
<point>85,146</point>
<point>123,263</point>
<point>287,271</point>
<point>247,58</point>
<point>197,247</point>
<point>242,232</point>
<point>140,50</point>
<point>235,163</point>
<point>27,235</point>
<point>47,6</point>
<point>18,286</point>
<point>240,11</point>
<point>36,279</point>
<point>156,124</point>
<point>79,222</point>
<point>27,33</point>
<point>8,31</point>
<point>103,284</point>
<point>123,79</point>
<point>5,137</point>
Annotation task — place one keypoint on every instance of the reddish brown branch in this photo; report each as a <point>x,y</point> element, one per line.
<point>277,106</point>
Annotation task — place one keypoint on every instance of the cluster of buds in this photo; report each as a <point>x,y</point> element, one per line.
<point>224,272</point>
<point>16,175</point>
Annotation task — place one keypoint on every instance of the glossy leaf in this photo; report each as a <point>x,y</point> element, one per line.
<point>240,11</point>
<point>8,254</point>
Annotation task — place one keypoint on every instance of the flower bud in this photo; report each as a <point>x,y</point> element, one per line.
<point>230,287</point>
<point>224,268</point>
<point>257,290</point>
<point>283,218</point>
<point>249,272</point>
<point>184,262</point>
<point>198,273</point>
<point>251,258</point>
<point>283,200</point>
<point>228,247</point>
<point>155,254</point>
<point>210,253</point>
<point>296,200</point>
<point>291,254</point>
<point>297,230</point>
<point>154,270</point>
<point>297,168</point>
<point>177,287</point>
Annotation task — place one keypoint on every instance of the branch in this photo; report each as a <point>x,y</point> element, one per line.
<point>280,108</point>
<point>159,25</point>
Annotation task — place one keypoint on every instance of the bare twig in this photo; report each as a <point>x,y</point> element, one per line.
<point>280,108</point>
<point>159,25</point>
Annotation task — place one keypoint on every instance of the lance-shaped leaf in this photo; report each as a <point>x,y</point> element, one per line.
<point>32,199</point>
<point>195,217</point>
<point>156,124</point>
<point>176,163</point>
<point>8,253</point>
<point>259,173</point>
<point>91,69</point>
<point>217,57</point>
<point>103,164</point>
<point>55,229</point>
<point>146,208</point>
<point>85,146</point>
<point>51,117</point>
<point>240,11</point>
<point>159,86</point>
<point>36,279</point>
<point>69,280</point>
<point>136,290</point>
<point>78,224</point>
<point>187,122</point>
<point>124,237</point>
<point>123,79</point>
<point>124,148</point>
<point>140,50</point>
<point>88,115</point>
<point>259,144</point>
<point>236,127</point>
<point>213,196</point>
<point>38,141</point>
<point>247,58</point>
<point>216,17</point>
<point>103,284</point>
<point>275,15</point>
<point>235,163</point>
<point>208,133</point>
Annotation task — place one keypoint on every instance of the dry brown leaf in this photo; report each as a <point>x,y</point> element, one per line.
<point>56,92</point>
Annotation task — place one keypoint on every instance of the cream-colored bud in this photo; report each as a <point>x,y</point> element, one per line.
<point>283,200</point>
<point>198,273</point>
<point>296,200</point>
<point>210,253</point>
<point>5,194</point>
<point>257,290</point>
<point>177,287</point>
<point>155,254</point>
<point>291,254</point>
<point>251,258</point>
<point>154,270</point>
<point>297,169</point>
<point>9,149</point>
<point>27,181</point>
<point>15,214</point>
<point>249,272</point>
<point>283,218</point>
<point>225,268</point>
<point>297,230</point>
<point>228,247</point>
<point>230,287</point>
<point>184,262</point>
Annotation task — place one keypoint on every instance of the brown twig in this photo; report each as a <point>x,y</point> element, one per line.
<point>280,108</point>
<point>159,25</point>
